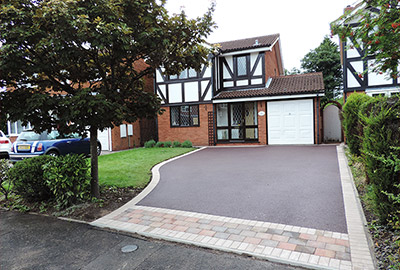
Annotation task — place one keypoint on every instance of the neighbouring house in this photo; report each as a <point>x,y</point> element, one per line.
<point>241,97</point>
<point>357,73</point>
<point>125,136</point>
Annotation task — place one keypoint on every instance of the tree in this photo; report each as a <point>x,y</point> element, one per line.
<point>326,59</point>
<point>78,66</point>
<point>375,28</point>
<point>293,71</point>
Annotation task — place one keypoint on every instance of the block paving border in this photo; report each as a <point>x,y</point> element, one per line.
<point>276,242</point>
<point>299,246</point>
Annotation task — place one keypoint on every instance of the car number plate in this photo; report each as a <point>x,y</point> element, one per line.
<point>24,147</point>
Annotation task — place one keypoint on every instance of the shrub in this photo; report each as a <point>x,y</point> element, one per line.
<point>352,126</point>
<point>380,144</point>
<point>27,178</point>
<point>68,178</point>
<point>160,144</point>
<point>167,144</point>
<point>187,144</point>
<point>176,144</point>
<point>150,144</point>
<point>5,185</point>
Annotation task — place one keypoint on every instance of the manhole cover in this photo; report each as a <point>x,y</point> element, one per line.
<point>129,248</point>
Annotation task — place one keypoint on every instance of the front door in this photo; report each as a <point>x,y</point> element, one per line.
<point>237,122</point>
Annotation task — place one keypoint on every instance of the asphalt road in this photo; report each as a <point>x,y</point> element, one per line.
<point>293,185</point>
<point>36,242</point>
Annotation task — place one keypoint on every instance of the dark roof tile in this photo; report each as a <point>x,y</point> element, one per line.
<point>310,83</point>
<point>248,43</point>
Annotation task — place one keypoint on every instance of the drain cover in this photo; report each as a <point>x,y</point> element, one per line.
<point>129,248</point>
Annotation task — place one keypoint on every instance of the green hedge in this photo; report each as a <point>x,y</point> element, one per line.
<point>168,144</point>
<point>380,145</point>
<point>353,128</point>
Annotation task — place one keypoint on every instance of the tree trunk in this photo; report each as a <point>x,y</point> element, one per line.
<point>94,181</point>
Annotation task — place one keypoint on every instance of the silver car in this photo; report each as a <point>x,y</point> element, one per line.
<point>5,145</point>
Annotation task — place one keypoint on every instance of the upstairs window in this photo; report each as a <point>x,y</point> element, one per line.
<point>187,73</point>
<point>241,66</point>
<point>185,116</point>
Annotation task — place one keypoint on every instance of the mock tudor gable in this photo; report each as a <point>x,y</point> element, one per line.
<point>357,73</point>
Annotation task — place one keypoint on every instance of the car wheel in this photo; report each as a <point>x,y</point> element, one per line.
<point>98,149</point>
<point>53,153</point>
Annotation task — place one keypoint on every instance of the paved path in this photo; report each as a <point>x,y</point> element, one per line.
<point>293,185</point>
<point>279,242</point>
<point>39,242</point>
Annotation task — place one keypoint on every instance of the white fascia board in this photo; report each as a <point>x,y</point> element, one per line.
<point>382,89</point>
<point>262,49</point>
<point>268,98</point>
<point>281,55</point>
<point>273,44</point>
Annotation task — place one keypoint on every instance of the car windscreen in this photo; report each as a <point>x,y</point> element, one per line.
<point>55,135</point>
<point>28,136</point>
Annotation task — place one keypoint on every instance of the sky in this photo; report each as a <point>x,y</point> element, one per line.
<point>302,25</point>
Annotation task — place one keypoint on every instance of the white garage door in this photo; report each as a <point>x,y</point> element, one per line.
<point>290,122</point>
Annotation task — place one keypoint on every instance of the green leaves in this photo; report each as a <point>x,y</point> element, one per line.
<point>73,65</point>
<point>68,179</point>
<point>84,60</point>
<point>326,59</point>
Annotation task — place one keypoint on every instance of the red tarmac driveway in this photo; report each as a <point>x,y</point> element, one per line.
<point>292,185</point>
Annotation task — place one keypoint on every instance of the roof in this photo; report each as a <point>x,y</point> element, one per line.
<point>248,43</point>
<point>349,15</point>
<point>310,83</point>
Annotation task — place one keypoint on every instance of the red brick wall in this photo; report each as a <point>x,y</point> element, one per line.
<point>197,135</point>
<point>262,123</point>
<point>127,142</point>
<point>271,63</point>
<point>13,138</point>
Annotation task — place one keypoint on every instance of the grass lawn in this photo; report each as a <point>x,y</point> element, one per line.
<point>131,168</point>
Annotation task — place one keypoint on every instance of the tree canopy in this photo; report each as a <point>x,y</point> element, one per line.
<point>375,28</point>
<point>326,59</point>
<point>76,65</point>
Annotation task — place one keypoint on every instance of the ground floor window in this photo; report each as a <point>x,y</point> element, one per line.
<point>15,128</point>
<point>185,116</point>
<point>237,121</point>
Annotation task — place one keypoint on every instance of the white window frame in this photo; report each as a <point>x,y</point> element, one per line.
<point>9,124</point>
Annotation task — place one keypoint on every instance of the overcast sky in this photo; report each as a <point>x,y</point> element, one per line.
<point>301,24</point>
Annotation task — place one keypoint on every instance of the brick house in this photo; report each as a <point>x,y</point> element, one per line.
<point>241,97</point>
<point>357,74</point>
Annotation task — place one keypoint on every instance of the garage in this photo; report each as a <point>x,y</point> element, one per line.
<point>290,122</point>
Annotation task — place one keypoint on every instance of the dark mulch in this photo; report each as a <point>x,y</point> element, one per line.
<point>110,200</point>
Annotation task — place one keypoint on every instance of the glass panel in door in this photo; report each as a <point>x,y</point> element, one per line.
<point>237,121</point>
<point>250,114</point>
